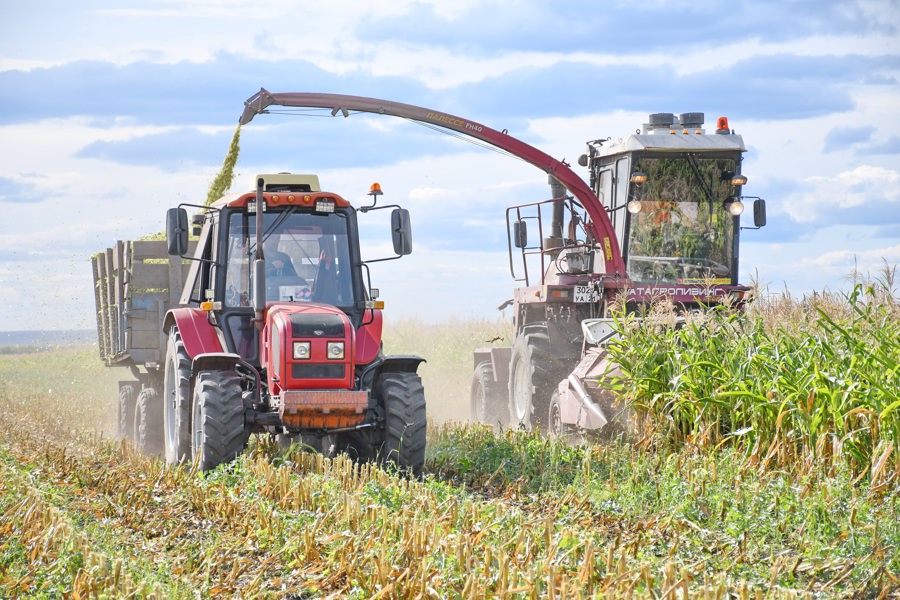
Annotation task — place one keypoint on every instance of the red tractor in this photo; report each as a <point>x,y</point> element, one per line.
<point>660,219</point>
<point>277,330</point>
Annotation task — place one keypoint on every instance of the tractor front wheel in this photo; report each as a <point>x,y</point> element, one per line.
<point>219,434</point>
<point>405,422</point>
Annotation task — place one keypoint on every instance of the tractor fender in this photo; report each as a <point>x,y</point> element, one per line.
<point>214,361</point>
<point>223,361</point>
<point>401,363</point>
<point>398,363</point>
<point>197,334</point>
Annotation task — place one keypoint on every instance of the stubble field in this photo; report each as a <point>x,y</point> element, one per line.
<point>739,483</point>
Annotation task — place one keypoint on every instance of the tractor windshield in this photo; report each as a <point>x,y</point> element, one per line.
<point>683,232</point>
<point>307,258</point>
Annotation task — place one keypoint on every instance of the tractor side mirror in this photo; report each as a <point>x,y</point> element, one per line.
<point>177,231</point>
<point>401,231</point>
<point>520,234</point>
<point>759,213</point>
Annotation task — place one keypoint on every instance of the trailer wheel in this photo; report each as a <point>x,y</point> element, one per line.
<point>405,422</point>
<point>530,381</point>
<point>554,422</point>
<point>218,419</point>
<point>148,416</point>
<point>487,401</point>
<point>127,398</point>
<point>176,403</point>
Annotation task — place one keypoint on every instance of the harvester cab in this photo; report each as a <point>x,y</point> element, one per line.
<point>281,331</point>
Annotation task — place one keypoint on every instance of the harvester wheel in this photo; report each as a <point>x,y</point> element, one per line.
<point>218,419</point>
<point>530,381</point>
<point>127,397</point>
<point>148,416</point>
<point>554,424</point>
<point>487,403</point>
<point>176,401</point>
<point>405,422</point>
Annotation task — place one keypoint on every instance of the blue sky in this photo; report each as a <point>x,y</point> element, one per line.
<point>110,112</point>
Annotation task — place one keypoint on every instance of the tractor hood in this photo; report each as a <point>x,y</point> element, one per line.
<point>310,346</point>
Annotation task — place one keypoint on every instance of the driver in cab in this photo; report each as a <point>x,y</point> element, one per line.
<point>278,263</point>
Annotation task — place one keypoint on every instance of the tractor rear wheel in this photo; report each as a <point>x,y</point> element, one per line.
<point>531,381</point>
<point>218,428</point>
<point>487,399</point>
<point>176,401</point>
<point>405,422</point>
<point>127,398</point>
<point>148,416</point>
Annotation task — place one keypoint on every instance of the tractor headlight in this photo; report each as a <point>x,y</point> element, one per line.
<point>335,350</point>
<point>301,350</point>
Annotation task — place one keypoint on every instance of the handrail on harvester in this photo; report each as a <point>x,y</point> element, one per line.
<point>599,225</point>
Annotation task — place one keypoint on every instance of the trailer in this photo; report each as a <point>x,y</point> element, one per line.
<point>135,284</point>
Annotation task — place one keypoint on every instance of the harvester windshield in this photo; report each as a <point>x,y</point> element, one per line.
<point>307,258</point>
<point>681,231</point>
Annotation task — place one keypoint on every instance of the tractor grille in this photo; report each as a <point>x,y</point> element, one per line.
<point>317,326</point>
<point>317,371</point>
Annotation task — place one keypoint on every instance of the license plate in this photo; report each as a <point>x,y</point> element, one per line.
<point>586,293</point>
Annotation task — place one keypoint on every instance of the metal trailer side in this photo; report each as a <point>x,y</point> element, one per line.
<point>135,283</point>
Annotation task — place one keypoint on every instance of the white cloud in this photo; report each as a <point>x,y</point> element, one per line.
<point>863,186</point>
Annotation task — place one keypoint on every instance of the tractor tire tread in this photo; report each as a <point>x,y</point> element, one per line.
<point>219,406</point>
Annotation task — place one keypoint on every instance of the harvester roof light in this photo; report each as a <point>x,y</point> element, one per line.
<point>634,207</point>
<point>375,189</point>
<point>638,177</point>
<point>325,205</point>
<point>722,125</point>
<point>739,180</point>
<point>733,206</point>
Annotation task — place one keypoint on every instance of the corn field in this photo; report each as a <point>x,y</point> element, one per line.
<point>697,506</point>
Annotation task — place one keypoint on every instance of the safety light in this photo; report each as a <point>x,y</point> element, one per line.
<point>733,206</point>
<point>634,207</point>
<point>375,189</point>
<point>335,350</point>
<point>738,180</point>
<point>301,350</point>
<point>325,205</point>
<point>210,306</point>
<point>722,125</point>
<point>638,177</point>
